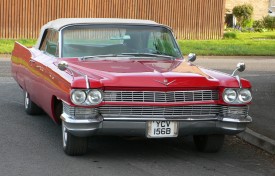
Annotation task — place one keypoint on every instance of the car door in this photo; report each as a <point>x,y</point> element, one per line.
<point>42,82</point>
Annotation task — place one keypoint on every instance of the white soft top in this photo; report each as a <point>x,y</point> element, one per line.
<point>62,22</point>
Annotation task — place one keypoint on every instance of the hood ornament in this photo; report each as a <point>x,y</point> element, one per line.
<point>165,82</point>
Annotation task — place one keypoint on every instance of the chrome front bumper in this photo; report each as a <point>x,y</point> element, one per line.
<point>124,127</point>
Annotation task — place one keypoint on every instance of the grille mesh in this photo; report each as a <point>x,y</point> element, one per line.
<point>174,111</point>
<point>176,96</point>
<point>79,113</point>
<point>234,111</point>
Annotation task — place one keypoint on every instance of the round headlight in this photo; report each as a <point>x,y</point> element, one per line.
<point>95,97</point>
<point>229,95</point>
<point>78,97</point>
<point>245,96</point>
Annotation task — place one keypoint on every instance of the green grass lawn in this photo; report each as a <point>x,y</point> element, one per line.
<point>246,44</point>
<point>6,45</point>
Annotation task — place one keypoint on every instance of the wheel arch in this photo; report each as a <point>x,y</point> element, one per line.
<point>57,109</point>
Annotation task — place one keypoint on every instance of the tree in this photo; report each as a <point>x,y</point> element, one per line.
<point>244,13</point>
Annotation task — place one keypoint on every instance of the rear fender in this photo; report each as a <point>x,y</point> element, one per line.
<point>20,59</point>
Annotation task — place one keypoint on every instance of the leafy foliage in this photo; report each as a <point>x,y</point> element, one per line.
<point>258,26</point>
<point>269,22</point>
<point>230,35</point>
<point>244,13</point>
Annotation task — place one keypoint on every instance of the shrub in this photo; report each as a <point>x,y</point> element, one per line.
<point>260,30</point>
<point>269,22</point>
<point>244,13</point>
<point>248,30</point>
<point>258,24</point>
<point>230,35</point>
<point>232,30</point>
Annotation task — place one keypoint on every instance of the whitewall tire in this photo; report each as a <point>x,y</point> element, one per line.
<point>73,145</point>
<point>30,107</point>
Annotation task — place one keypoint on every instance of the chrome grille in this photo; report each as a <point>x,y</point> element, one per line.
<point>68,109</point>
<point>234,111</point>
<point>78,112</point>
<point>155,111</point>
<point>174,112</point>
<point>149,96</point>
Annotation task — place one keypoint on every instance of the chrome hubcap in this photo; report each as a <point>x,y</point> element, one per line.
<point>64,134</point>
<point>27,100</point>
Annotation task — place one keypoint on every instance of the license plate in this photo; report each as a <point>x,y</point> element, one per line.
<point>161,129</point>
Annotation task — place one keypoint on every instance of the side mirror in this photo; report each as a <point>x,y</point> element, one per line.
<point>240,67</point>
<point>63,65</point>
<point>192,57</point>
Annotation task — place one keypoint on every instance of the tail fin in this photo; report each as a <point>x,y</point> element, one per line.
<point>20,52</point>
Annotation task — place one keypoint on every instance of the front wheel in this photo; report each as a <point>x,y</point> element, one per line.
<point>30,107</point>
<point>73,145</point>
<point>209,143</point>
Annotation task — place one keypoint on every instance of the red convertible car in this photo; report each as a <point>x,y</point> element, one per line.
<point>127,77</point>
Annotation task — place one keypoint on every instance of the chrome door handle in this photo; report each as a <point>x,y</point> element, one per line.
<point>32,61</point>
<point>40,67</point>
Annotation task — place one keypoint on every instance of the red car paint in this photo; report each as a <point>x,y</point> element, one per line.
<point>38,74</point>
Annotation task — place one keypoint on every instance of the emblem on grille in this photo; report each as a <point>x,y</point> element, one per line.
<point>165,82</point>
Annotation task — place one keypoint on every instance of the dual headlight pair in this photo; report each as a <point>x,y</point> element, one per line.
<point>94,96</point>
<point>86,97</point>
<point>237,96</point>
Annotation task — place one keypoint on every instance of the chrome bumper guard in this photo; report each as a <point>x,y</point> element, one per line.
<point>137,126</point>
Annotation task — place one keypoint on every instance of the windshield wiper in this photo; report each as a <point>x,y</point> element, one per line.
<point>106,55</point>
<point>149,54</point>
<point>127,55</point>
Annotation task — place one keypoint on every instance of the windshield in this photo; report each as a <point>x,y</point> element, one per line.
<point>100,40</point>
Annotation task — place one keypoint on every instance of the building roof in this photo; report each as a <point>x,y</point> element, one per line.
<point>62,22</point>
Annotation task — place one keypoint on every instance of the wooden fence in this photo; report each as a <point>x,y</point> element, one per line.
<point>190,19</point>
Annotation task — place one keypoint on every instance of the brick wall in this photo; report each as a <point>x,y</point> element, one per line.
<point>260,6</point>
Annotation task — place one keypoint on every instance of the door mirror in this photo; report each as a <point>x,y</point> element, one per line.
<point>241,67</point>
<point>63,65</point>
<point>192,57</point>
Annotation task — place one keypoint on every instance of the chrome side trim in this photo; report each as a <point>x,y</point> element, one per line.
<point>60,44</point>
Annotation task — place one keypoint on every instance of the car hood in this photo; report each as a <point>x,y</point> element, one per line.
<point>164,74</point>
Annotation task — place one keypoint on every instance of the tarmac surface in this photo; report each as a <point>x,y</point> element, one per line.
<point>260,71</point>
